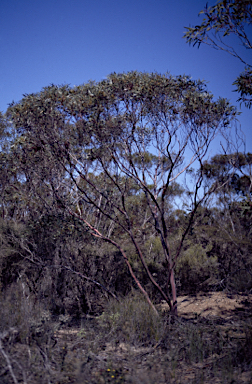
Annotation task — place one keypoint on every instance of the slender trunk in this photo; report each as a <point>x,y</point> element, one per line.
<point>133,275</point>
<point>174,309</point>
<point>166,298</point>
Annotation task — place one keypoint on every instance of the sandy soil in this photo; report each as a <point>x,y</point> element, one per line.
<point>211,305</point>
<point>215,304</point>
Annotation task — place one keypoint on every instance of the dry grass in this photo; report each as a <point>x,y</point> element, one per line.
<point>209,343</point>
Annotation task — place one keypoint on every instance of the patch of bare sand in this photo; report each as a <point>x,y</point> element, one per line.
<point>213,304</point>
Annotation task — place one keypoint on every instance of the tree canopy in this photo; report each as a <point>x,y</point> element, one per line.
<point>227,18</point>
<point>101,150</point>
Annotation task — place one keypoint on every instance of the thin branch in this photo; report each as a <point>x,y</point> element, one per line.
<point>89,279</point>
<point>96,233</point>
<point>7,359</point>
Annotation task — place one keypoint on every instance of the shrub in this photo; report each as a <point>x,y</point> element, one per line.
<point>195,266</point>
<point>131,319</point>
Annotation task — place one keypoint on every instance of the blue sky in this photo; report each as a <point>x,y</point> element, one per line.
<point>71,42</point>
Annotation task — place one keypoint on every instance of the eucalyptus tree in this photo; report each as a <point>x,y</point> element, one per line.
<point>97,148</point>
<point>228,18</point>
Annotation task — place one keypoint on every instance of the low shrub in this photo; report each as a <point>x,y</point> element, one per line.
<point>131,319</point>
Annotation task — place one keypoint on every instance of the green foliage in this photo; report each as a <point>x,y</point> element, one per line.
<point>13,262</point>
<point>231,172</point>
<point>243,85</point>
<point>61,264</point>
<point>195,266</point>
<point>229,17</point>
<point>108,154</point>
<point>154,249</point>
<point>230,177</point>
<point>240,280</point>
<point>97,162</point>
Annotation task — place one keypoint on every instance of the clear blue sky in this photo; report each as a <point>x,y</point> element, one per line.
<point>73,41</point>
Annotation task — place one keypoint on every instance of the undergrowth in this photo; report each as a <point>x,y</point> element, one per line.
<point>128,343</point>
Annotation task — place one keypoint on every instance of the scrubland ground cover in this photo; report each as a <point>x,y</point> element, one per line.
<point>128,342</point>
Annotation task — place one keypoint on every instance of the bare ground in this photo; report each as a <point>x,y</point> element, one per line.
<point>214,304</point>
<point>209,342</point>
<point>217,315</point>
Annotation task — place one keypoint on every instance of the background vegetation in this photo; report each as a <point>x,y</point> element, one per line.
<point>72,308</point>
<point>111,205</point>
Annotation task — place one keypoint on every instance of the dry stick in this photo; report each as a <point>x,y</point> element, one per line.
<point>167,299</point>
<point>71,270</point>
<point>99,235</point>
<point>141,255</point>
<point>8,362</point>
<point>133,239</point>
<point>96,233</point>
<point>23,371</point>
<point>148,271</point>
<point>90,201</point>
<point>46,363</point>
<point>135,278</point>
<point>89,279</point>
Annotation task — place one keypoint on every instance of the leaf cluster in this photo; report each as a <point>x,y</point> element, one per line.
<point>226,18</point>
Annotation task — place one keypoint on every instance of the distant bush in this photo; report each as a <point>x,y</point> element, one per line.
<point>194,267</point>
